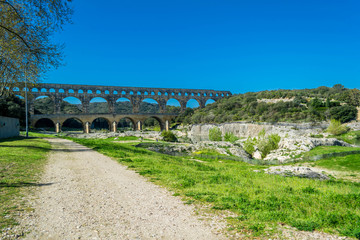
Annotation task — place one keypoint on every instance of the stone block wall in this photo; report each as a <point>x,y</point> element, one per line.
<point>9,127</point>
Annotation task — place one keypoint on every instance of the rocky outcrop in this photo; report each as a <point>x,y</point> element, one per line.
<point>200,132</point>
<point>291,147</point>
<point>100,135</point>
<point>303,172</point>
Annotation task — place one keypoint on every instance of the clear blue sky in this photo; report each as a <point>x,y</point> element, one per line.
<point>234,45</point>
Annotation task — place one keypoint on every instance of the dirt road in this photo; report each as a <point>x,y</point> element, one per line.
<point>87,195</point>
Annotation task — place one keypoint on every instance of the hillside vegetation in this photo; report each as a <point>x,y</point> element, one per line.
<point>307,105</point>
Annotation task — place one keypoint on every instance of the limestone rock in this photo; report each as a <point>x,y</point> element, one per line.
<point>289,171</point>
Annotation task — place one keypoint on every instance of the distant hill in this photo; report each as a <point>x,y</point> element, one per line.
<point>306,105</point>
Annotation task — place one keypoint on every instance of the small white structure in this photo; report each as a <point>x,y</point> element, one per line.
<point>9,127</point>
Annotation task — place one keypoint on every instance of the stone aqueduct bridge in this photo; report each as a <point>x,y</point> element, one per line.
<point>85,93</point>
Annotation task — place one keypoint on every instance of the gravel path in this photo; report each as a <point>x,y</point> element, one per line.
<point>89,196</point>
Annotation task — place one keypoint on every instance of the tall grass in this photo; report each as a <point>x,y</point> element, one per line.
<point>260,201</point>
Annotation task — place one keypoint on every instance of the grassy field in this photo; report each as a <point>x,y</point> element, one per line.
<point>21,160</point>
<point>261,202</point>
<point>352,137</point>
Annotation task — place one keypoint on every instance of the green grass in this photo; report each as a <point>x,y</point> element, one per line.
<point>329,149</point>
<point>350,163</point>
<point>352,137</point>
<point>126,138</point>
<point>20,162</point>
<point>37,135</point>
<point>260,201</point>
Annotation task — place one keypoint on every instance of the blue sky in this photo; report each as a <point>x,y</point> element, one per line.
<point>238,45</point>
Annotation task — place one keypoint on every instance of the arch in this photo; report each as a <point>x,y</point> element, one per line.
<point>52,90</point>
<point>131,93</point>
<point>217,95</point>
<point>209,101</point>
<point>126,124</point>
<point>71,91</point>
<point>166,94</point>
<point>123,92</point>
<point>210,94</point>
<point>115,92</point>
<point>71,105</point>
<point>100,124</point>
<point>152,93</point>
<point>43,90</point>
<point>123,105</point>
<point>61,90</point>
<point>152,124</point>
<point>89,91</point>
<point>204,94</point>
<point>98,92</point>
<point>146,93</point>
<point>107,92</point>
<point>149,105</point>
<point>159,93</point>
<point>80,91</point>
<point>173,106</point>
<point>98,105</point>
<point>43,105</point>
<point>72,124</point>
<point>192,94</point>
<point>21,97</point>
<point>179,94</point>
<point>16,89</point>
<point>34,90</point>
<point>192,103</point>
<point>45,123</point>
<point>186,94</point>
<point>172,94</point>
<point>138,93</point>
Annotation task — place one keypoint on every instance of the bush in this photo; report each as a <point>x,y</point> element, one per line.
<point>336,128</point>
<point>230,137</point>
<point>344,113</point>
<point>168,136</point>
<point>264,143</point>
<point>215,134</point>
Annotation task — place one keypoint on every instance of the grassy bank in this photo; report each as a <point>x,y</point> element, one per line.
<point>21,161</point>
<point>260,201</point>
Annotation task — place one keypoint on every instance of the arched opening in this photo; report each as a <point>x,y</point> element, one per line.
<point>44,105</point>
<point>98,92</point>
<point>209,101</point>
<point>43,90</point>
<point>107,92</point>
<point>192,103</point>
<point>100,124</point>
<point>34,90</point>
<point>16,89</point>
<point>80,91</point>
<point>52,90</point>
<point>173,106</point>
<point>152,124</point>
<point>45,124</point>
<point>123,105</point>
<point>71,91</point>
<point>125,124</point>
<point>73,125</point>
<point>71,105</point>
<point>61,90</point>
<point>149,105</point>
<point>98,105</point>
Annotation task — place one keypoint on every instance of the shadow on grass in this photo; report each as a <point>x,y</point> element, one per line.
<point>23,184</point>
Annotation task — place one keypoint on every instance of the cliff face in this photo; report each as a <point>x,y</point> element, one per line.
<point>200,132</point>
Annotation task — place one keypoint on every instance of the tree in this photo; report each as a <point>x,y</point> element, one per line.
<point>26,28</point>
<point>344,113</point>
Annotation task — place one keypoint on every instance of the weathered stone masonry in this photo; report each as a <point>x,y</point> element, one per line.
<point>85,93</point>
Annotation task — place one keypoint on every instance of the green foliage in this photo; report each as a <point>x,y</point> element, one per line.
<point>215,134</point>
<point>21,161</point>
<point>259,200</point>
<point>264,143</point>
<point>230,137</point>
<point>336,128</point>
<point>168,136</point>
<point>308,105</point>
<point>344,113</point>
<point>352,137</point>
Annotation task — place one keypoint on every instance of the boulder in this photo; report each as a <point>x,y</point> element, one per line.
<point>290,171</point>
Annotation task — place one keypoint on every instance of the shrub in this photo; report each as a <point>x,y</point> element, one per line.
<point>249,145</point>
<point>230,137</point>
<point>344,113</point>
<point>215,134</point>
<point>264,143</point>
<point>336,128</point>
<point>168,136</point>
